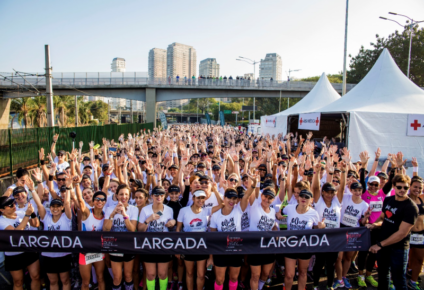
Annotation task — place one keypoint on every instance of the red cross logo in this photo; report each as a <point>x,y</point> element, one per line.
<point>301,121</point>
<point>317,121</point>
<point>415,125</point>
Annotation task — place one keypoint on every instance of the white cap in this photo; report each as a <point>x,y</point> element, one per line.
<point>198,193</point>
<point>374,179</point>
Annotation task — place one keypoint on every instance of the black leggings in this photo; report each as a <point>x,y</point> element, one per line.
<point>362,256</point>
<point>329,260</point>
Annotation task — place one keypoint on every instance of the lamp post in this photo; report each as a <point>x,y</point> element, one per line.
<point>290,71</point>
<point>345,51</point>
<point>411,27</point>
<point>252,62</point>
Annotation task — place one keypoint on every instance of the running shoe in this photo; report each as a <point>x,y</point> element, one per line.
<point>370,279</point>
<point>274,274</point>
<point>309,277</point>
<point>241,285</point>
<point>391,286</point>
<point>268,282</point>
<point>353,269</point>
<point>316,288</point>
<point>180,286</point>
<point>375,265</point>
<point>281,270</point>
<point>338,284</point>
<point>346,283</point>
<point>361,281</point>
<point>414,286</point>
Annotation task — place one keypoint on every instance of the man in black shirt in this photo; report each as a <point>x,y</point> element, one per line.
<point>397,219</point>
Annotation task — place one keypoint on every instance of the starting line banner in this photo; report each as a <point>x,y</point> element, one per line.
<point>275,242</point>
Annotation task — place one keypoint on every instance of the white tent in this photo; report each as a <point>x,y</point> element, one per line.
<point>378,107</point>
<point>321,95</point>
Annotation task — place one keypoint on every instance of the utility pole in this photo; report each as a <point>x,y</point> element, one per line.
<point>345,52</point>
<point>132,113</point>
<point>108,111</point>
<point>254,109</point>
<point>76,111</point>
<point>49,88</point>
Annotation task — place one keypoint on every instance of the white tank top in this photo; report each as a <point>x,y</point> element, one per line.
<point>93,224</point>
<point>63,224</point>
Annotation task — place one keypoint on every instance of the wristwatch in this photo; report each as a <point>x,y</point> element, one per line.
<point>379,244</point>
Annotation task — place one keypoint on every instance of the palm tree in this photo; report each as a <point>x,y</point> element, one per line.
<point>22,108</point>
<point>84,112</point>
<point>38,112</point>
<point>61,106</point>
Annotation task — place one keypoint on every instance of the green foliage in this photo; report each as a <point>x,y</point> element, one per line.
<point>336,78</point>
<point>398,45</point>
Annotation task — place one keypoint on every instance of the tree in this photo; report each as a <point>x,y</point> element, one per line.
<point>22,108</point>
<point>38,110</point>
<point>336,78</point>
<point>99,109</point>
<point>204,104</point>
<point>398,45</point>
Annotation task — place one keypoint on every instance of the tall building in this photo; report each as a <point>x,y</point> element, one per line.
<point>157,63</point>
<point>118,64</point>
<point>271,67</point>
<point>180,60</point>
<point>209,68</point>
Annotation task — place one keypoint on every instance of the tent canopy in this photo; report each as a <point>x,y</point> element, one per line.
<point>321,95</point>
<point>385,89</point>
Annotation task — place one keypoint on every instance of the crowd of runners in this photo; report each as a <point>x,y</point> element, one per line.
<point>225,180</point>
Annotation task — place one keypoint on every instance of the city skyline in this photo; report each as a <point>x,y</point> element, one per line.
<point>308,35</point>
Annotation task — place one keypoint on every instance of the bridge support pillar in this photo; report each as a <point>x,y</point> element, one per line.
<point>4,113</point>
<point>151,106</point>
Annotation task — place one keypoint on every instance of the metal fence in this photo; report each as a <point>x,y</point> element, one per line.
<point>81,80</point>
<point>19,147</point>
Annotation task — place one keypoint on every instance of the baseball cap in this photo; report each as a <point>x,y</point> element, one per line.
<point>198,193</point>
<point>138,182</point>
<point>56,201</point>
<point>216,167</point>
<point>158,191</point>
<point>201,164</point>
<point>105,167</point>
<point>355,185</point>
<point>268,192</point>
<point>328,187</point>
<point>305,192</point>
<point>88,166</point>
<point>86,158</point>
<point>374,179</point>
<point>18,190</point>
<point>174,188</point>
<point>230,193</point>
<point>173,166</point>
<point>383,175</point>
<point>205,177</point>
<point>6,201</point>
<point>85,176</point>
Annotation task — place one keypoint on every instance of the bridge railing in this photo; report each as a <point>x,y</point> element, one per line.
<point>94,79</point>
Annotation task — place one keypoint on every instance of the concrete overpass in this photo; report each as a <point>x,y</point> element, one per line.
<point>132,87</point>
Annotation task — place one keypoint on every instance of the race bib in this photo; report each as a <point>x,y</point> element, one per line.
<point>116,254</point>
<point>329,224</point>
<point>349,220</point>
<point>93,257</point>
<point>283,221</point>
<point>376,206</point>
<point>417,239</point>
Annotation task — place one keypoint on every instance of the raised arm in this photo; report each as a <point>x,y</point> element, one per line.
<point>375,163</point>
<point>342,185</point>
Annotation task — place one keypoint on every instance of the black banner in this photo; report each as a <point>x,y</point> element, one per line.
<point>276,242</point>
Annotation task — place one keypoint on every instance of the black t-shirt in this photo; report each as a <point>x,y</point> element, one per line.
<point>175,205</point>
<point>396,212</point>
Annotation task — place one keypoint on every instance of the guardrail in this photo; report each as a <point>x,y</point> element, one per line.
<point>138,78</point>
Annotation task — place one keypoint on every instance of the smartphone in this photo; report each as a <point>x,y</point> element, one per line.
<point>278,155</point>
<point>188,146</point>
<point>113,149</point>
<point>209,268</point>
<point>97,146</point>
<point>159,213</point>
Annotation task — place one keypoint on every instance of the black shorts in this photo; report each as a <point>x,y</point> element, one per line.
<point>259,260</point>
<point>299,256</point>
<point>19,262</point>
<point>195,258</point>
<point>228,260</point>
<point>124,258</point>
<point>58,264</point>
<point>414,237</point>
<point>156,258</point>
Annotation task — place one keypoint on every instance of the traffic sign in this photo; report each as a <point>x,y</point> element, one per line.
<point>249,108</point>
<point>227,111</point>
<point>235,112</point>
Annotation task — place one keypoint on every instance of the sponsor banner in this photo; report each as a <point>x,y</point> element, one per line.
<point>415,125</point>
<point>270,121</point>
<point>273,242</point>
<point>309,121</point>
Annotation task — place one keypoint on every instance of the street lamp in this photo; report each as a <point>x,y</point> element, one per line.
<point>290,71</point>
<point>410,27</point>
<point>252,62</point>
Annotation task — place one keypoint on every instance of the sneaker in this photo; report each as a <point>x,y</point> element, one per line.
<point>316,288</point>
<point>180,286</point>
<point>414,286</point>
<point>391,286</point>
<point>338,284</point>
<point>268,282</point>
<point>361,281</point>
<point>375,265</point>
<point>309,277</point>
<point>274,274</point>
<point>241,285</point>
<point>346,283</point>
<point>281,270</point>
<point>370,279</point>
<point>170,286</point>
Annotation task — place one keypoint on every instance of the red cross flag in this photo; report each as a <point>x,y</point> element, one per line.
<point>270,121</point>
<point>415,125</point>
<point>309,121</point>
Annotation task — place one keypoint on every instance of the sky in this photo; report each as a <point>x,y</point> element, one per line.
<point>84,36</point>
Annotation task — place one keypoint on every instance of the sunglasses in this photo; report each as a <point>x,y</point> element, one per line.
<point>373,184</point>
<point>158,194</point>
<point>11,205</point>
<point>404,187</point>
<point>262,170</point>
<point>269,197</point>
<point>59,155</point>
<point>304,196</point>
<point>61,179</point>
<point>99,199</point>
<point>336,181</point>
<point>233,180</point>
<point>204,182</point>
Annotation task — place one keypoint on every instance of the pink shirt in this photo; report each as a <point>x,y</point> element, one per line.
<point>375,202</point>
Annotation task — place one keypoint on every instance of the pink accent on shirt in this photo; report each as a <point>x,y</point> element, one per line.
<point>375,202</point>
